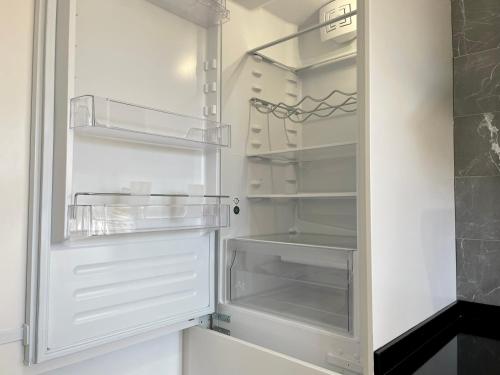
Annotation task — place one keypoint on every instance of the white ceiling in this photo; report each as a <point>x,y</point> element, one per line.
<point>293,11</point>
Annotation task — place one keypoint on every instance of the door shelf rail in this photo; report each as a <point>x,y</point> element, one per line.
<point>83,194</point>
<point>107,118</point>
<point>105,214</point>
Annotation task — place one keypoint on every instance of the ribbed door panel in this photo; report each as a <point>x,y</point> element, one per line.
<point>104,290</point>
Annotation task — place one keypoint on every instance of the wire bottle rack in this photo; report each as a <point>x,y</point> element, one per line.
<point>309,107</point>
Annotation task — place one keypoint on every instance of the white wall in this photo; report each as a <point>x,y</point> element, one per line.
<point>411,163</point>
<point>152,357</point>
<point>16,19</point>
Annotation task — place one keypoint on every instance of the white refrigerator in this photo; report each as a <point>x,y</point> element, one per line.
<point>196,167</point>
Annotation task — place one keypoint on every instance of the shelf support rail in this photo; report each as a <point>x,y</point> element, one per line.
<point>304,31</point>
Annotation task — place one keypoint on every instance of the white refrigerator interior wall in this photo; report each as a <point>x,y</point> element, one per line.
<point>240,83</point>
<point>238,37</point>
<point>245,77</point>
<point>128,51</point>
<point>141,61</point>
<point>411,166</point>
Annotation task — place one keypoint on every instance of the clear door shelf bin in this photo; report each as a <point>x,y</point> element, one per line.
<point>136,214</point>
<point>307,154</point>
<point>112,119</point>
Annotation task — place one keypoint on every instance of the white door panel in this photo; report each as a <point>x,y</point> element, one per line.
<point>98,291</point>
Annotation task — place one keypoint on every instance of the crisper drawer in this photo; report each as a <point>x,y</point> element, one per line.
<point>302,282</point>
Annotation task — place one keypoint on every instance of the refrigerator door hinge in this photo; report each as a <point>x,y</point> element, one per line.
<point>221,330</point>
<point>26,334</point>
<point>222,317</point>
<point>205,321</point>
<point>218,317</point>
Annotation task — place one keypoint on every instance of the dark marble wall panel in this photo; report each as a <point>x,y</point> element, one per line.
<point>477,83</point>
<point>477,145</point>
<point>477,208</point>
<point>478,271</point>
<point>476,47</point>
<point>476,26</point>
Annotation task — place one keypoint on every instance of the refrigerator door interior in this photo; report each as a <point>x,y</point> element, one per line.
<point>130,196</point>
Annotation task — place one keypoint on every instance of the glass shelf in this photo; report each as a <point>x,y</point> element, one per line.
<point>107,118</point>
<point>307,154</point>
<point>102,216</point>
<point>205,13</point>
<point>308,65</point>
<point>349,194</point>
<point>302,240</point>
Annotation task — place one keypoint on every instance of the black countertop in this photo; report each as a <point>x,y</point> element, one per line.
<point>464,354</point>
<point>463,339</point>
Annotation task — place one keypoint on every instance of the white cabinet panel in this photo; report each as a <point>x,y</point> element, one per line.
<point>411,167</point>
<point>210,353</point>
